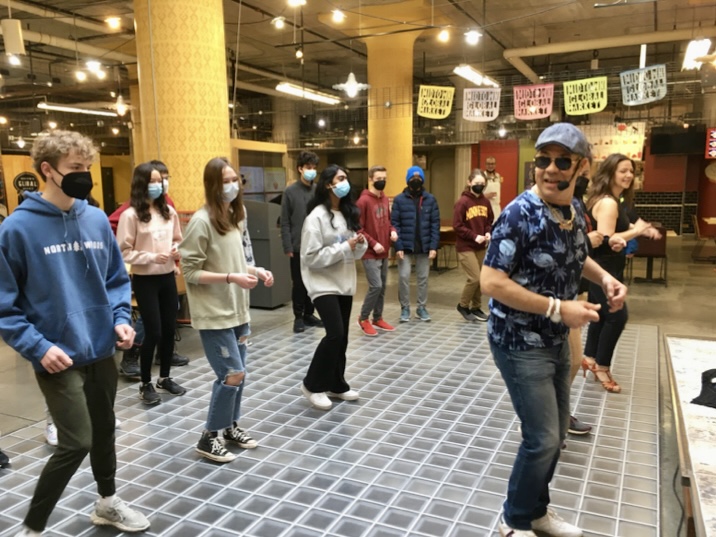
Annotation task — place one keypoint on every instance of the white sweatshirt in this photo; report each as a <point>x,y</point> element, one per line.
<point>327,261</point>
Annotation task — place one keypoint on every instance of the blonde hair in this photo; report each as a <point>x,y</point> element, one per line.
<point>50,147</point>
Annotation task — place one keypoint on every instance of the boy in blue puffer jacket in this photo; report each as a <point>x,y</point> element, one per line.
<point>416,218</point>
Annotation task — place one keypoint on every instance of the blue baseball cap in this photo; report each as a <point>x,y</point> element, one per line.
<point>566,135</point>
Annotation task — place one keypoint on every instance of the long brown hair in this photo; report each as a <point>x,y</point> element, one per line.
<point>223,218</point>
<point>139,196</point>
<point>602,181</point>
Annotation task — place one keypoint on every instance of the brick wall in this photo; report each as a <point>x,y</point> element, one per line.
<point>673,209</point>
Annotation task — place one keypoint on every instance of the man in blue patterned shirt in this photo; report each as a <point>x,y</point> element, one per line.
<point>536,257</point>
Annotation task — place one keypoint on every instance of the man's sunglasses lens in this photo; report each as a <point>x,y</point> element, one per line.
<point>562,163</point>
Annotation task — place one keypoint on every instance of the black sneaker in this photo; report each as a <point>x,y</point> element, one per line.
<point>4,459</point>
<point>479,314</point>
<point>298,325</point>
<point>466,314</point>
<point>168,385</point>
<point>148,394</point>
<point>312,320</point>
<point>212,447</point>
<point>241,437</point>
<point>129,366</point>
<point>178,360</point>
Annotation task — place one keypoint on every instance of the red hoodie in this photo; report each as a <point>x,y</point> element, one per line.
<point>472,216</point>
<point>375,222</point>
<point>114,217</point>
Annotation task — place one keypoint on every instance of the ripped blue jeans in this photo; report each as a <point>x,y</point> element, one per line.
<point>226,351</point>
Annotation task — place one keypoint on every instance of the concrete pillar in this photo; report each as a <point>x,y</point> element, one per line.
<point>183,89</point>
<point>136,117</point>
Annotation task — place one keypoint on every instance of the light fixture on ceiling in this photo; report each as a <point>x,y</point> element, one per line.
<point>93,66</point>
<point>3,120</point>
<point>115,131</point>
<point>42,105</point>
<point>299,52</point>
<point>321,123</point>
<point>351,86</point>
<point>304,93</point>
<point>338,16</point>
<point>80,75</point>
<point>296,3</point>
<point>279,22</point>
<point>121,106</point>
<point>52,125</point>
<point>114,23</point>
<point>624,3</point>
<point>473,75</point>
<point>14,60</point>
<point>12,35</point>
<point>695,49</point>
<point>444,35</point>
<point>472,37</point>
<point>356,139</point>
<point>502,131</point>
<point>20,142</point>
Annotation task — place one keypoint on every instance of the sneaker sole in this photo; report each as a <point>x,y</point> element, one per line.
<point>164,390</point>
<point>366,333</point>
<point>308,394</point>
<point>99,521</point>
<point>244,445</point>
<point>135,376</point>
<point>215,458</point>
<point>342,397</point>
<point>375,326</point>
<point>404,320</point>
<point>149,403</point>
<point>579,433</point>
<point>424,320</point>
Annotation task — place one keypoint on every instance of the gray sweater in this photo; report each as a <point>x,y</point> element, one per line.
<point>293,212</point>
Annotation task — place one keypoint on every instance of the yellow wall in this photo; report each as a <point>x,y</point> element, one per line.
<point>13,165</point>
<point>122,169</point>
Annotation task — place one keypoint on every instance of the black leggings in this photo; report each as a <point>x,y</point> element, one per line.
<point>325,374</point>
<point>157,302</point>
<point>602,336</point>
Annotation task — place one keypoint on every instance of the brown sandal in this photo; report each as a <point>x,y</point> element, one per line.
<point>588,366</point>
<point>610,384</point>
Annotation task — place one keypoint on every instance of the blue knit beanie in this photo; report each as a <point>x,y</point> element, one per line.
<point>412,171</point>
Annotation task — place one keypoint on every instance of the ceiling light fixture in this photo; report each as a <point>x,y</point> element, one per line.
<point>502,131</point>
<point>279,23</point>
<point>3,120</point>
<point>338,16</point>
<point>52,124</point>
<point>473,75</point>
<point>114,23</point>
<point>121,106</point>
<point>356,139</point>
<point>14,60</point>
<point>351,86</point>
<point>115,131</point>
<point>74,110</point>
<point>93,66</point>
<point>321,122</point>
<point>80,75</point>
<point>304,93</point>
<point>472,37</point>
<point>444,36</point>
<point>296,3</point>
<point>20,142</point>
<point>299,52</point>
<point>695,49</point>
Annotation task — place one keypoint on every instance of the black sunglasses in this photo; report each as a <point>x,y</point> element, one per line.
<point>562,163</point>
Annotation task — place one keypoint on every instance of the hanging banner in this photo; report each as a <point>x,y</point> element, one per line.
<point>435,102</point>
<point>533,102</point>
<point>710,144</point>
<point>481,104</point>
<point>642,86</point>
<point>586,96</point>
<point>625,138</point>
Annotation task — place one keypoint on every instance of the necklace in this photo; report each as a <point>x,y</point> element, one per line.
<point>563,222</point>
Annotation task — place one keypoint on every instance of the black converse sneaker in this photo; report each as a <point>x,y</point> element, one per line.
<point>241,437</point>
<point>212,447</point>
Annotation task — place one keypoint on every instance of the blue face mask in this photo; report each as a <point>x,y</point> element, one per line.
<point>342,189</point>
<point>155,190</point>
<point>309,175</point>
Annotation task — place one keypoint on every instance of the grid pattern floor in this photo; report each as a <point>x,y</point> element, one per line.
<point>427,450</point>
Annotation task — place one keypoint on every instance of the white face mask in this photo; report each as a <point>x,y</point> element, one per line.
<point>231,190</point>
<point>165,184</point>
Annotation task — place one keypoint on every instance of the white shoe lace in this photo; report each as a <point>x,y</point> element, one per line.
<point>217,446</point>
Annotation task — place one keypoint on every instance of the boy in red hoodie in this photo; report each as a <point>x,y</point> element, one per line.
<point>378,231</point>
<point>472,221</point>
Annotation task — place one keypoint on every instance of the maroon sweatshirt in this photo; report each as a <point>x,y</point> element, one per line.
<point>375,222</point>
<point>472,216</point>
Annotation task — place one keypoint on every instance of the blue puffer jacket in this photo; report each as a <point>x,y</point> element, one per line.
<point>403,217</point>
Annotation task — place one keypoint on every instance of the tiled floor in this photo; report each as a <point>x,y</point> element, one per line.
<point>425,452</point>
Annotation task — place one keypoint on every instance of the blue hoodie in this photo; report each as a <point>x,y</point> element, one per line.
<point>62,282</point>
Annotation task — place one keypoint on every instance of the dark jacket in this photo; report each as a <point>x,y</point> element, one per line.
<point>294,209</point>
<point>472,216</point>
<point>404,216</point>
<point>375,223</point>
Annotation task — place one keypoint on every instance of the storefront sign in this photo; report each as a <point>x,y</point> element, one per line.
<point>481,104</point>
<point>642,86</point>
<point>435,102</point>
<point>533,102</point>
<point>26,182</point>
<point>711,143</point>
<point>586,96</point>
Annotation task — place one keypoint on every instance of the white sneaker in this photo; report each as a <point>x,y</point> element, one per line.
<point>318,400</point>
<point>556,526</point>
<point>120,515</point>
<point>51,434</point>
<point>506,531</point>
<point>350,395</point>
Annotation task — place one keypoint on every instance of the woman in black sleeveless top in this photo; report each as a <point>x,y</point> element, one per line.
<point>614,179</point>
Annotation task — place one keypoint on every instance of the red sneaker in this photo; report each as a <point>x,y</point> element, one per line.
<point>367,328</point>
<point>380,324</point>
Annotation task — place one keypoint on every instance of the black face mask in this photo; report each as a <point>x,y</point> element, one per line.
<point>379,185</point>
<point>76,184</point>
<point>580,186</point>
<point>477,189</point>
<point>415,185</point>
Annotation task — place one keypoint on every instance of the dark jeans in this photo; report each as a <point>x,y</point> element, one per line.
<point>157,302</point>
<point>81,403</point>
<point>325,374</point>
<point>302,305</point>
<point>602,336</point>
<point>538,382</point>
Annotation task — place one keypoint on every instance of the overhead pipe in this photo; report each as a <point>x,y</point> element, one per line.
<point>515,55</point>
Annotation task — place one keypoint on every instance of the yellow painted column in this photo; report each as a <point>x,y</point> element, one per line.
<point>135,112</point>
<point>390,106</point>
<point>183,90</point>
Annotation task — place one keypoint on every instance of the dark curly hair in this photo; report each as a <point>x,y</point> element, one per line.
<point>322,196</point>
<point>139,198</point>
